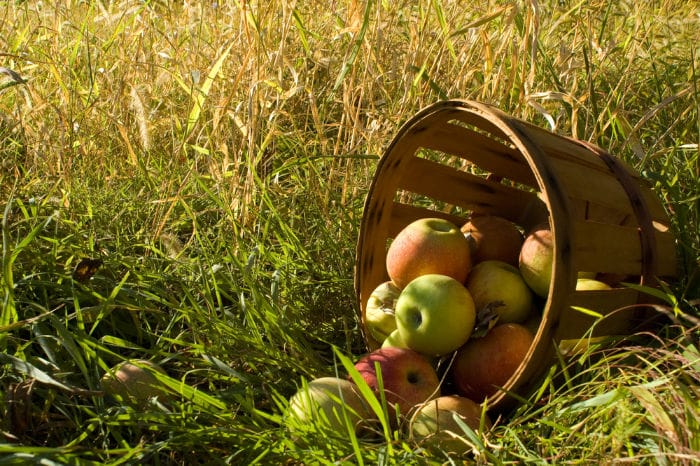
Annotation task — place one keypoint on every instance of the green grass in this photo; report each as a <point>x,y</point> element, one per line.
<point>215,158</point>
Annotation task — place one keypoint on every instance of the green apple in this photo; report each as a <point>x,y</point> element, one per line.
<point>394,340</point>
<point>408,377</point>
<point>331,404</point>
<point>435,314</point>
<point>500,285</point>
<point>428,246</point>
<point>135,382</point>
<point>493,238</point>
<point>434,423</point>
<point>536,259</point>
<point>485,364</point>
<point>591,284</point>
<point>379,311</point>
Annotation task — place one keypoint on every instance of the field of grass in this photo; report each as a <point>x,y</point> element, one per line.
<point>208,163</point>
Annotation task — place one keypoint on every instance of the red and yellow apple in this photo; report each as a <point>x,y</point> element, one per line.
<point>331,404</point>
<point>379,311</point>
<point>493,238</point>
<point>434,423</point>
<point>500,285</point>
<point>435,314</point>
<point>428,246</point>
<point>135,382</point>
<point>407,376</point>
<point>485,364</point>
<point>536,260</point>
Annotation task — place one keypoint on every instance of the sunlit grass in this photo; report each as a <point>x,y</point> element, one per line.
<point>214,157</point>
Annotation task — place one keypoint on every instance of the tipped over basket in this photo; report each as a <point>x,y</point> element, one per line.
<point>459,158</point>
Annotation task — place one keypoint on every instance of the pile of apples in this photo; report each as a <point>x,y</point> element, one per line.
<point>462,305</point>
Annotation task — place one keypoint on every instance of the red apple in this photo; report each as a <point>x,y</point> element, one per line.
<point>486,363</point>
<point>536,258</point>
<point>428,246</point>
<point>408,376</point>
<point>493,238</point>
<point>434,423</point>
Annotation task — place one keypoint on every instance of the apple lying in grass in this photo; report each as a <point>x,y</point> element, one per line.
<point>331,404</point>
<point>428,246</point>
<point>135,382</point>
<point>493,238</point>
<point>500,285</point>
<point>379,311</point>
<point>434,423</point>
<point>536,259</point>
<point>486,363</point>
<point>407,376</point>
<point>435,314</point>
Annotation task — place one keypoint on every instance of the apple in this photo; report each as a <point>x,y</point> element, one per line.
<point>379,311</point>
<point>484,364</point>
<point>435,314</point>
<point>500,285</point>
<point>428,246</point>
<point>434,423</point>
<point>407,376</point>
<point>591,284</point>
<point>536,258</point>
<point>135,382</point>
<point>493,238</point>
<point>327,402</point>
<point>394,340</point>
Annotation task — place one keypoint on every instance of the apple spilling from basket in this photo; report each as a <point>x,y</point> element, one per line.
<point>467,299</point>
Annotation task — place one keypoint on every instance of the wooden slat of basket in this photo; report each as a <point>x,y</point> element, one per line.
<point>462,189</point>
<point>403,214</point>
<point>575,323</point>
<point>483,151</point>
<point>585,210</point>
<point>666,265</point>
<point>608,248</point>
<point>593,185</point>
<point>563,148</point>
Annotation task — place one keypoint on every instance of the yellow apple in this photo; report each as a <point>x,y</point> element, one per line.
<point>394,340</point>
<point>591,284</point>
<point>434,423</point>
<point>135,382</point>
<point>500,285</point>
<point>331,404</point>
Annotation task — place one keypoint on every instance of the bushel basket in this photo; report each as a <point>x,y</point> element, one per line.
<point>458,158</point>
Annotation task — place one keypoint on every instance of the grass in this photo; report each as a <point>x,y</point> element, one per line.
<point>213,159</point>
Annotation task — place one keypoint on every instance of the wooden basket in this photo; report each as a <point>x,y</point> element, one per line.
<point>457,158</point>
